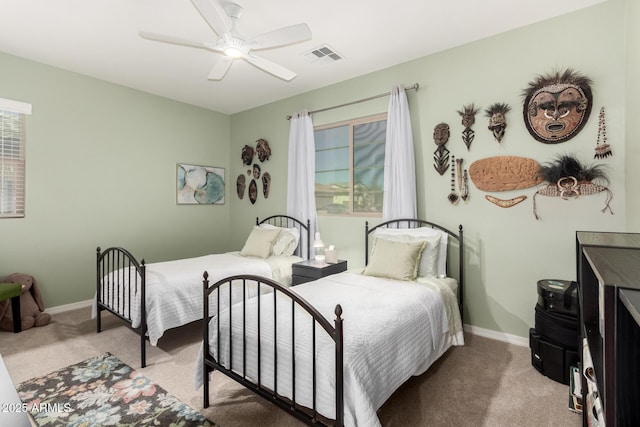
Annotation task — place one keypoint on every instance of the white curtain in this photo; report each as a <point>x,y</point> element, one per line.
<point>399,162</point>
<point>301,200</point>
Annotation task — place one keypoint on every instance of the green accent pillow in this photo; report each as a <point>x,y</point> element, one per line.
<point>395,260</point>
<point>259,242</point>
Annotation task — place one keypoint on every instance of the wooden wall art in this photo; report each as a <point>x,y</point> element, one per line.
<point>256,174</point>
<point>453,196</point>
<point>263,150</point>
<point>603,149</point>
<point>505,203</point>
<point>567,178</point>
<point>468,113</point>
<point>441,155</point>
<point>505,173</point>
<point>240,186</point>
<point>463,180</point>
<point>497,114</point>
<point>247,155</point>
<point>557,106</point>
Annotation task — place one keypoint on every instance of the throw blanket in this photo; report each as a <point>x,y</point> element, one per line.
<point>392,330</point>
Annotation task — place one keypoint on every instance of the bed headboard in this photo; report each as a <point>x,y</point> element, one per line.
<point>458,240</point>
<point>304,245</point>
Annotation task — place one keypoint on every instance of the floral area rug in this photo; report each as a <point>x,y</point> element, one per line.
<point>104,391</point>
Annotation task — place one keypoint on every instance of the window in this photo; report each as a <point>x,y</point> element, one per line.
<point>350,166</point>
<point>12,158</point>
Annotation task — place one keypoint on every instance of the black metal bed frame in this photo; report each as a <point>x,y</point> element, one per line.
<point>308,415</point>
<point>334,332</point>
<point>416,223</point>
<point>119,277</point>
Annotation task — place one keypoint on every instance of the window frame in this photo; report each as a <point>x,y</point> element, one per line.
<point>351,123</point>
<point>13,156</point>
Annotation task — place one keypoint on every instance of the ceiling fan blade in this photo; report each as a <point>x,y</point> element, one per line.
<point>214,14</point>
<point>177,40</point>
<point>220,69</point>
<point>270,67</point>
<point>281,37</point>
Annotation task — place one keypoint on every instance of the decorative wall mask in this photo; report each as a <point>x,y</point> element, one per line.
<point>247,155</point>
<point>263,149</point>
<point>256,171</point>
<point>497,119</point>
<point>602,148</point>
<point>557,106</point>
<point>240,186</point>
<point>253,191</point>
<point>568,179</point>
<point>441,155</point>
<point>468,114</point>
<point>266,184</point>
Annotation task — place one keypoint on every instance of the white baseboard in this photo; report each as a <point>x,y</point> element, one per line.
<point>500,336</point>
<point>68,307</point>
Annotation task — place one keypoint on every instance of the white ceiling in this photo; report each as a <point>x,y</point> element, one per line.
<point>100,39</point>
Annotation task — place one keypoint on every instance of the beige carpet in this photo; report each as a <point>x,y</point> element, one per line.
<point>484,383</point>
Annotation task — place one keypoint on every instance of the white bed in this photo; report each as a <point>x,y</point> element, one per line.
<point>390,330</point>
<point>172,290</point>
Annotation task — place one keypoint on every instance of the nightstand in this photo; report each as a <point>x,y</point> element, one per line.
<point>306,271</point>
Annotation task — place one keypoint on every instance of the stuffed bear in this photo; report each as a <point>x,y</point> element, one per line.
<point>31,304</point>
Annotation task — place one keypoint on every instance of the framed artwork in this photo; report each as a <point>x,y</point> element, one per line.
<point>199,185</point>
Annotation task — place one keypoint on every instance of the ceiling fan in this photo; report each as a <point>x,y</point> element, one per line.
<point>222,19</point>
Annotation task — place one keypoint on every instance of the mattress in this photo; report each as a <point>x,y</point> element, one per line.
<point>392,331</point>
<point>174,288</point>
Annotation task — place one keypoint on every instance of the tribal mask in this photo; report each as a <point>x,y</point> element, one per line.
<point>557,106</point>
<point>441,134</point>
<point>497,119</point>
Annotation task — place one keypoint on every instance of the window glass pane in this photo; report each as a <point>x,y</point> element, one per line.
<point>332,159</point>
<point>370,132</point>
<point>368,189</point>
<point>11,164</point>
<point>331,137</point>
<point>350,167</point>
<point>368,155</point>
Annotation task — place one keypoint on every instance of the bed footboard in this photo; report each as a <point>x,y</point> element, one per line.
<point>257,362</point>
<point>120,289</point>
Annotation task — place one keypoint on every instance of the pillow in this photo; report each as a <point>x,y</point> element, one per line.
<point>287,241</point>
<point>260,242</point>
<point>395,260</point>
<point>429,261</point>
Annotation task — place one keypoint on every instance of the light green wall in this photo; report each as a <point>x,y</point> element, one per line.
<point>101,170</point>
<point>508,250</point>
<point>101,163</point>
<point>632,114</point>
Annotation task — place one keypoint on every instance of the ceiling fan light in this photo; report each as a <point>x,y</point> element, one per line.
<point>233,52</point>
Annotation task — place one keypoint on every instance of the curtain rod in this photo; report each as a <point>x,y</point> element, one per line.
<point>414,87</point>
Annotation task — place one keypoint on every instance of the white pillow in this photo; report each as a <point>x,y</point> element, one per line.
<point>260,242</point>
<point>287,241</point>
<point>395,259</point>
<point>434,257</point>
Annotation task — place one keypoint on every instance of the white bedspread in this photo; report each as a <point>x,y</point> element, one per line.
<point>392,331</point>
<point>174,288</point>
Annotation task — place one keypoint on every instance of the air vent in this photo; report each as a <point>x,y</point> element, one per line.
<point>322,54</point>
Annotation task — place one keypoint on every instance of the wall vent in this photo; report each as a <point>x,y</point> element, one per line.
<point>322,54</point>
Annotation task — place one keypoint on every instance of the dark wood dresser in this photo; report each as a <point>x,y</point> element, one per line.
<point>608,267</point>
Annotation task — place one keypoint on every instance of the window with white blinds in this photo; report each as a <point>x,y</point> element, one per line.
<point>12,157</point>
